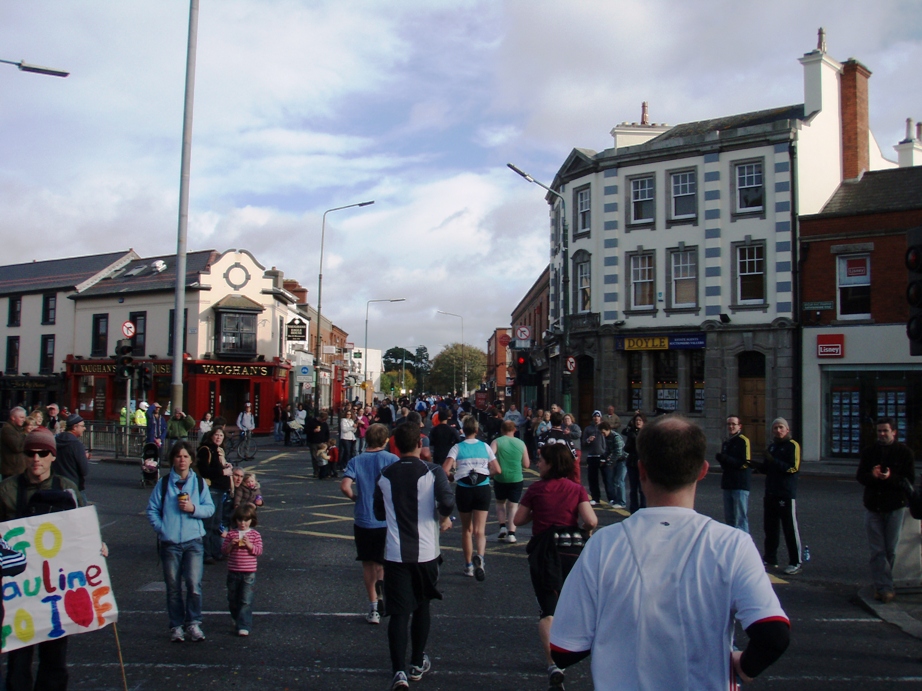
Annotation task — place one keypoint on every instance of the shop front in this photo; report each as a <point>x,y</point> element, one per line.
<point>28,390</point>
<point>221,388</point>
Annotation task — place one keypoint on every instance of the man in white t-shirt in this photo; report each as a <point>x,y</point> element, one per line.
<point>654,598</point>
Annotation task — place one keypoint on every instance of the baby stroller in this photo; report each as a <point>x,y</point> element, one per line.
<point>150,465</point>
<point>297,435</point>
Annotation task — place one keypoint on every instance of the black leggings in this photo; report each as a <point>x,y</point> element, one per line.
<point>397,637</point>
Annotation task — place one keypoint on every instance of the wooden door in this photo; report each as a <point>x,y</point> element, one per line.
<point>586,375</point>
<point>752,411</point>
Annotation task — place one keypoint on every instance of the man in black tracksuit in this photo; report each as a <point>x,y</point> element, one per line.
<point>781,465</point>
<point>734,459</point>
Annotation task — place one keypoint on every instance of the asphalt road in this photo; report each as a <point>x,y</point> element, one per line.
<point>309,630</point>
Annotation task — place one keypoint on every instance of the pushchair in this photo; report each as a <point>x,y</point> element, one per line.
<point>297,434</point>
<point>150,465</point>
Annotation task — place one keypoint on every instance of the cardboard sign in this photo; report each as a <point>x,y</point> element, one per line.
<point>65,588</point>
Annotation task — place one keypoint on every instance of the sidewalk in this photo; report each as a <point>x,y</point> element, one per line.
<point>904,612</point>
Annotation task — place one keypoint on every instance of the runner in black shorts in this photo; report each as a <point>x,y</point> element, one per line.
<point>512,456</point>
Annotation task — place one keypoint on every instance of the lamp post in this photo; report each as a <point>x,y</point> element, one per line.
<point>565,244</point>
<point>367,305</point>
<point>323,229</point>
<point>463,361</point>
<point>37,69</point>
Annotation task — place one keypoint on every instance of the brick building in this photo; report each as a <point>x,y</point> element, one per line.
<point>532,382</point>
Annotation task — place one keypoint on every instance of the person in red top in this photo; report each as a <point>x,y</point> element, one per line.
<point>242,545</point>
<point>557,506</point>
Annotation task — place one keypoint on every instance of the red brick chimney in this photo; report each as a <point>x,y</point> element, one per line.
<point>297,290</point>
<point>855,133</point>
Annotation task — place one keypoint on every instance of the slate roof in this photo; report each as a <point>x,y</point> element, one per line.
<point>54,274</point>
<point>896,189</point>
<point>732,122</point>
<point>139,277</point>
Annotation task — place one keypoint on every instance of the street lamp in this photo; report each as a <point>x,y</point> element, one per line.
<point>463,361</point>
<point>36,69</point>
<point>323,230</point>
<point>367,305</point>
<point>565,242</point>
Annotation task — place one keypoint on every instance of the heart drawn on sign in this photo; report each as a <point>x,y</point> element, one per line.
<point>79,606</point>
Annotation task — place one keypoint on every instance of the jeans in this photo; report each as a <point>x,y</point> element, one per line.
<point>52,667</point>
<point>595,466</point>
<point>619,472</point>
<point>183,563</point>
<point>278,431</point>
<point>241,588</point>
<point>638,499</point>
<point>883,535</point>
<point>213,537</point>
<point>346,451</point>
<point>736,508</point>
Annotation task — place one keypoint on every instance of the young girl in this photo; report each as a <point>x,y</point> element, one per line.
<point>242,545</point>
<point>247,492</point>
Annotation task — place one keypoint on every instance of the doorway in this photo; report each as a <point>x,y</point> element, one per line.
<point>585,367</point>
<point>752,397</point>
<point>234,394</point>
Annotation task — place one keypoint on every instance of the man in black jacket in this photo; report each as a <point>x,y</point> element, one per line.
<point>881,470</point>
<point>781,466</point>
<point>734,459</point>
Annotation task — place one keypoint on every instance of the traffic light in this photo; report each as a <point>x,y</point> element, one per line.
<point>124,369</point>
<point>914,289</point>
<point>146,376</point>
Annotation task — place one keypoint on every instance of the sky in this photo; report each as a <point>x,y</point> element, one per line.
<point>302,106</point>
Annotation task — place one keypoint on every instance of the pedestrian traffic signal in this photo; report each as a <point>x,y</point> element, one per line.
<point>124,369</point>
<point>146,376</point>
<point>914,289</point>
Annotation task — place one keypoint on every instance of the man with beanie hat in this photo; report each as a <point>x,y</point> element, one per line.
<point>15,495</point>
<point>72,458</point>
<point>781,465</point>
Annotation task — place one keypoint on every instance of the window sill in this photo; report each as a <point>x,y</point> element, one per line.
<point>761,307</point>
<point>641,312</point>
<point>581,235</point>
<point>692,221</point>
<point>847,321</point>
<point>14,324</point>
<point>683,310</point>
<point>743,215</point>
<point>640,225</point>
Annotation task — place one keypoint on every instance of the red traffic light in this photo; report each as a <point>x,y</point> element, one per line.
<point>520,360</point>
<point>914,258</point>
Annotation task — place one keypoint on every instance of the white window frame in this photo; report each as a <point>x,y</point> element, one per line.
<point>844,281</point>
<point>686,182</point>
<point>582,217</point>
<point>750,263</point>
<point>749,175</point>
<point>643,189</point>
<point>583,286</point>
<point>643,272</point>
<point>684,267</point>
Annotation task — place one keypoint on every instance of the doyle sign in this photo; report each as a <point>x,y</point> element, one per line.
<point>65,588</point>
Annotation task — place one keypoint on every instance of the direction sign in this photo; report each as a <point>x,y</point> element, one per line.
<point>128,329</point>
<point>570,364</point>
<point>522,333</point>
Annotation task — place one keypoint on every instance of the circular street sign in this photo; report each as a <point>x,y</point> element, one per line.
<point>305,370</point>
<point>128,329</point>
<point>571,364</point>
<point>522,333</point>
<point>504,340</point>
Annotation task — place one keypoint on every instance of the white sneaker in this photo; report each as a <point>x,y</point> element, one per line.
<point>243,633</point>
<point>195,633</point>
<point>593,502</point>
<point>510,538</point>
<point>469,570</point>
<point>617,506</point>
<point>373,617</point>
<point>502,534</point>
<point>177,635</point>
<point>479,573</point>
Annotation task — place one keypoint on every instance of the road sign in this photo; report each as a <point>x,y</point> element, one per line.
<point>128,329</point>
<point>570,364</point>
<point>504,340</point>
<point>522,333</point>
<point>305,370</point>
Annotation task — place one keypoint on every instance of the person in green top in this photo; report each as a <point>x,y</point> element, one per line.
<point>179,426</point>
<point>507,486</point>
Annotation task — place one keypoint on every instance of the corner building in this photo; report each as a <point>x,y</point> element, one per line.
<point>678,270</point>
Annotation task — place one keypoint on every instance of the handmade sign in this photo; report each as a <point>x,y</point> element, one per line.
<point>65,588</point>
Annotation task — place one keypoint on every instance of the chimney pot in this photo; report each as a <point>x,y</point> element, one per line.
<point>919,131</point>
<point>821,40</point>
<point>908,129</point>
<point>644,114</point>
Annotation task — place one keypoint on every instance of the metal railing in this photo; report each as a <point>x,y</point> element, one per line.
<point>115,438</point>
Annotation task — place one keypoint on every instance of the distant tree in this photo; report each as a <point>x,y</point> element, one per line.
<point>447,368</point>
<point>393,359</point>
<point>392,380</point>
<point>423,367</point>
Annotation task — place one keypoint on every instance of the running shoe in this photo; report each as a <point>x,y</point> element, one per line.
<point>176,635</point>
<point>469,570</point>
<point>510,538</point>
<point>478,567</point>
<point>400,682</point>
<point>379,592</point>
<point>373,617</point>
<point>792,569</point>
<point>502,534</point>
<point>555,677</point>
<point>769,564</point>
<point>195,633</point>
<point>416,673</point>
<point>243,633</point>
<point>593,502</point>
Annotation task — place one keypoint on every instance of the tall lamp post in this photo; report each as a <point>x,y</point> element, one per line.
<point>565,243</point>
<point>367,305</point>
<point>323,230</point>
<point>463,361</point>
<point>37,69</point>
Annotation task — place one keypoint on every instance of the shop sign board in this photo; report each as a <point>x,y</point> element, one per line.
<point>830,345</point>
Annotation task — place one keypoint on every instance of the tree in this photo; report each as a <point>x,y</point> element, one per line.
<point>394,358</point>
<point>392,379</point>
<point>447,368</point>
<point>423,367</point>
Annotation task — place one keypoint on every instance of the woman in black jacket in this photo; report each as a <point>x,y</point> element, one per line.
<point>212,465</point>
<point>637,498</point>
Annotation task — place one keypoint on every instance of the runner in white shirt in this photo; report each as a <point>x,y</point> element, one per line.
<point>654,598</point>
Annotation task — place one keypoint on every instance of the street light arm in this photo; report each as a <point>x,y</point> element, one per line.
<point>538,183</point>
<point>37,69</point>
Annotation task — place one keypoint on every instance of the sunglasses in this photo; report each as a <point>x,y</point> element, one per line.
<point>42,453</point>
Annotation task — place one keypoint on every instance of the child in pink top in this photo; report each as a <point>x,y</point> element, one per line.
<point>242,545</point>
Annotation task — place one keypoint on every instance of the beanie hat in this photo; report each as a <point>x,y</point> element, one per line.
<point>596,412</point>
<point>40,439</point>
<point>73,421</point>
<point>782,421</point>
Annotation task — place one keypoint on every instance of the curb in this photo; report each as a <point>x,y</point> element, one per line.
<point>892,613</point>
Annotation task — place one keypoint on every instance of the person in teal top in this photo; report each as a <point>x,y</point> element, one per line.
<point>512,455</point>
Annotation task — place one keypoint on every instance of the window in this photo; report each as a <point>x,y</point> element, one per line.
<point>12,354</point>
<point>684,194</point>
<point>49,308</point>
<point>684,269</point>
<point>643,204</point>
<point>236,334</point>
<point>642,277</point>
<point>635,379</point>
<point>666,376</point>
<point>749,189</point>
<point>696,374</point>
<point>99,346</point>
<point>855,287</point>
<point>582,296</point>
<point>15,312</point>
<point>555,228</point>
<point>185,330</point>
<point>751,274</point>
<point>139,340</point>
<point>46,362</point>
<point>581,216</point>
